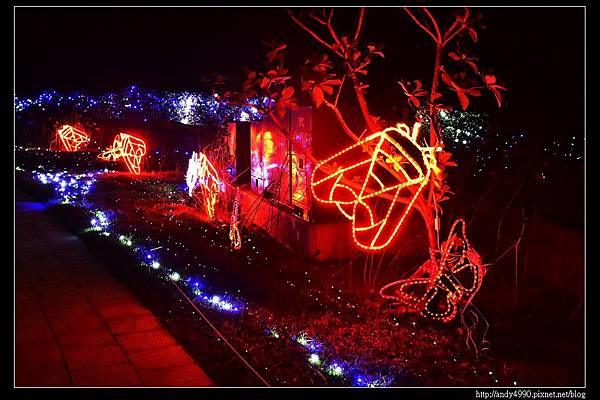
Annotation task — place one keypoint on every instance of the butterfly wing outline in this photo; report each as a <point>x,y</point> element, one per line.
<point>414,291</point>
<point>128,147</point>
<point>440,285</point>
<point>365,191</point>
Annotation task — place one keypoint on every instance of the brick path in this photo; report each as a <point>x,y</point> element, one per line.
<point>76,325</point>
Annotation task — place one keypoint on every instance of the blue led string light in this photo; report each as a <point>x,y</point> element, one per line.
<point>72,189</point>
<point>137,103</point>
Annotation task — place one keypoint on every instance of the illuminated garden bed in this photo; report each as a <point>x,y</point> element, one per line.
<point>281,313</point>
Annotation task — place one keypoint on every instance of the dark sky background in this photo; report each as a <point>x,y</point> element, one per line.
<point>536,52</point>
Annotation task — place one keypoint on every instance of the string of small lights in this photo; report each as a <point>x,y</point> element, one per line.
<point>466,131</point>
<point>142,104</point>
<point>394,145</point>
<point>73,188</point>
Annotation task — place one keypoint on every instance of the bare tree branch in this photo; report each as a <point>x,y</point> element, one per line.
<point>452,35</point>
<point>313,34</point>
<point>435,25</point>
<point>517,242</point>
<point>337,97</point>
<point>449,31</point>
<point>341,120</point>
<point>360,23</point>
<point>420,24</point>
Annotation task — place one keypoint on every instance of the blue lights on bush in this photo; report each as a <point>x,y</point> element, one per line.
<point>147,105</point>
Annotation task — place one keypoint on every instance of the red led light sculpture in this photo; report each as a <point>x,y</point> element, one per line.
<point>380,201</point>
<point>450,278</point>
<point>129,148</point>
<point>234,228</point>
<point>71,139</point>
<point>202,172</point>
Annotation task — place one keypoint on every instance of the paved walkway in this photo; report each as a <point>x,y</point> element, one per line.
<point>76,325</point>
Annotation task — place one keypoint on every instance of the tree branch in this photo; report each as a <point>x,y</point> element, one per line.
<point>362,103</point>
<point>360,23</point>
<point>313,34</point>
<point>454,24</point>
<point>341,120</point>
<point>332,31</point>
<point>517,242</point>
<point>337,97</point>
<point>435,24</point>
<point>454,34</point>
<point>319,20</point>
<point>420,24</point>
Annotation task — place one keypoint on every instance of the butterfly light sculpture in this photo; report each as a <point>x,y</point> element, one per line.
<point>129,148</point>
<point>446,281</point>
<point>366,191</point>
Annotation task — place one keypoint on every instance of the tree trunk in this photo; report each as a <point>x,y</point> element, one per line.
<point>362,102</point>
<point>432,93</point>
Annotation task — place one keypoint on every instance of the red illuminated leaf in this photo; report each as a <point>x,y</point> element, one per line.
<point>454,56</point>
<point>264,82</point>
<point>275,53</point>
<point>473,34</point>
<point>375,50</point>
<point>473,65</point>
<point>490,79</point>
<point>287,92</point>
<point>498,96</point>
<point>464,100</point>
<point>333,82</point>
<point>444,156</point>
<point>414,101</point>
<point>327,89</point>
<point>415,93</point>
<point>403,87</point>
<point>446,78</point>
<point>317,96</point>
<point>307,85</point>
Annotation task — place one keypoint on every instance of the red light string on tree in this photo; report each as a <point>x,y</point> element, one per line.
<point>373,229</point>
<point>129,148</point>
<point>443,283</point>
<point>234,228</point>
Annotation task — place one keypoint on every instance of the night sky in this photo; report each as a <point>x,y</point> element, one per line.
<point>536,52</point>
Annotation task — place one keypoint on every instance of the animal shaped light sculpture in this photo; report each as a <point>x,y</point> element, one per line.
<point>447,280</point>
<point>129,148</point>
